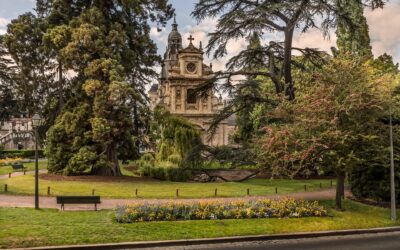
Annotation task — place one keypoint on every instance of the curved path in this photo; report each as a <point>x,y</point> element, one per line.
<point>50,202</point>
<point>106,203</point>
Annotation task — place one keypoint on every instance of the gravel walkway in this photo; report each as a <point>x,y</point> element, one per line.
<point>50,202</point>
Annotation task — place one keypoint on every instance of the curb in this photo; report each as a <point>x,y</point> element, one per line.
<point>189,242</point>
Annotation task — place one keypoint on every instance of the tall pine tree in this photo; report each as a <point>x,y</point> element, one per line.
<point>354,38</point>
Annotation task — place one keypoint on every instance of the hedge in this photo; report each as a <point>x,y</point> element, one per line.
<point>20,153</point>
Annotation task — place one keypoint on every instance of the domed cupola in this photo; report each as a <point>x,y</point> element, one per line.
<point>174,43</point>
<point>175,37</point>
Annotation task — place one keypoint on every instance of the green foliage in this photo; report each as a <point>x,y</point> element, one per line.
<point>8,105</point>
<point>384,64</point>
<point>81,161</point>
<point>369,179</point>
<point>99,41</point>
<point>214,164</point>
<point>175,159</point>
<point>336,113</point>
<point>147,157</point>
<point>177,138</point>
<point>354,38</point>
<point>165,171</point>
<point>29,154</point>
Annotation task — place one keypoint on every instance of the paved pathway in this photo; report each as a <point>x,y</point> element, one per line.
<point>50,202</point>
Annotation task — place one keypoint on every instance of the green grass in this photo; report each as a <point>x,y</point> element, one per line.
<point>29,166</point>
<point>25,227</point>
<point>160,189</point>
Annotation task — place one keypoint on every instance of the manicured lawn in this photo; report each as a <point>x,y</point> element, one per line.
<point>29,166</point>
<point>25,227</point>
<point>160,189</point>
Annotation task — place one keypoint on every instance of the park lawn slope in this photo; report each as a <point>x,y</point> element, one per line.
<point>26,227</point>
<point>24,185</point>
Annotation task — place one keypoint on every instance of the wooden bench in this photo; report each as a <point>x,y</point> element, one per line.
<point>78,200</point>
<point>17,166</point>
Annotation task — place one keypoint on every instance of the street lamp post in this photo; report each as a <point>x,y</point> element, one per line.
<point>36,122</point>
<point>392,184</point>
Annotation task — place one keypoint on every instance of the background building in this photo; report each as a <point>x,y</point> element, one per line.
<point>17,133</point>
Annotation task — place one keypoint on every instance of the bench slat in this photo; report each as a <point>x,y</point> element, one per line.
<point>78,199</point>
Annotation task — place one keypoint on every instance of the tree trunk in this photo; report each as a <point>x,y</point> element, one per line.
<point>112,159</point>
<point>339,190</point>
<point>287,61</point>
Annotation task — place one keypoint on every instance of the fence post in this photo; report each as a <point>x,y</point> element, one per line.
<point>248,191</point>
<point>93,191</point>
<point>5,188</point>
<point>305,187</point>
<point>177,193</point>
<point>136,192</point>
<point>276,190</point>
<point>9,175</point>
<point>215,193</point>
<point>48,191</point>
<point>24,172</point>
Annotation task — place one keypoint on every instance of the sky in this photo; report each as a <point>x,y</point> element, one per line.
<point>384,28</point>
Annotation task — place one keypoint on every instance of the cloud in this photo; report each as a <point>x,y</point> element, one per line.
<point>315,39</point>
<point>3,25</point>
<point>384,28</point>
<point>4,22</point>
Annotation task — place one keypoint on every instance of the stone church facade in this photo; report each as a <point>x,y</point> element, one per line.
<point>183,70</point>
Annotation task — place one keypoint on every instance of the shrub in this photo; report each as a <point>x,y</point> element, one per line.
<point>165,173</point>
<point>208,210</point>
<point>81,161</point>
<point>175,159</point>
<point>144,168</point>
<point>214,164</point>
<point>370,177</point>
<point>147,157</point>
<point>158,173</point>
<point>21,153</point>
<point>177,174</point>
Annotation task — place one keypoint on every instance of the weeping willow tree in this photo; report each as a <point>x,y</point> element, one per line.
<point>175,138</point>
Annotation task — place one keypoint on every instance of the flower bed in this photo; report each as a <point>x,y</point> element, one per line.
<point>208,210</point>
<point>9,161</point>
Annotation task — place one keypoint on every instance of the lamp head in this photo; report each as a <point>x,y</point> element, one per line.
<point>36,120</point>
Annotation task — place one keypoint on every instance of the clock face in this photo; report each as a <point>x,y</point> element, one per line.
<point>191,67</point>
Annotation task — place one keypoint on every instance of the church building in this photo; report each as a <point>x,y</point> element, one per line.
<point>183,70</point>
